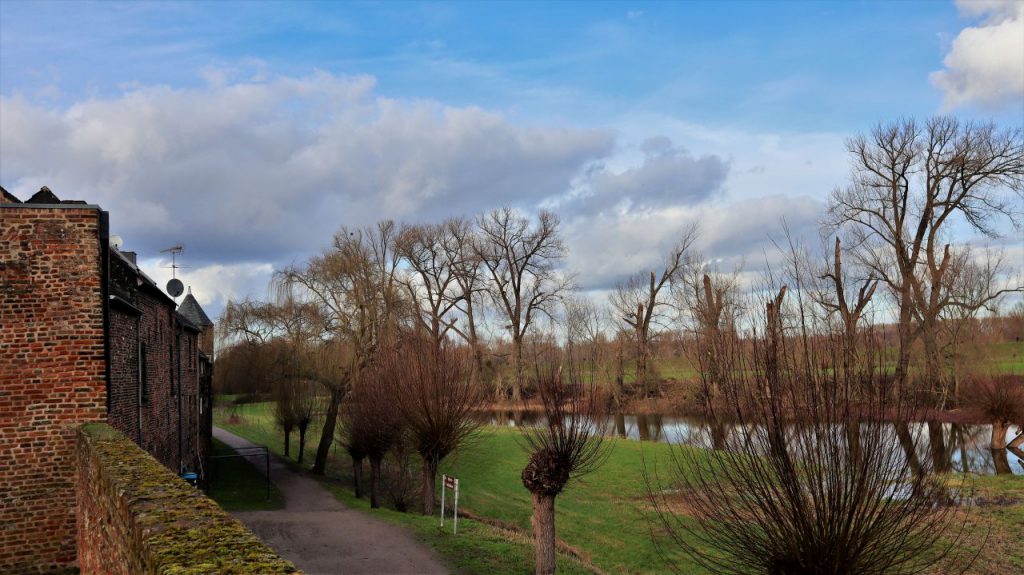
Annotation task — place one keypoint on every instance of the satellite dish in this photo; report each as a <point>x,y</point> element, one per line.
<point>175,287</point>
<point>116,242</point>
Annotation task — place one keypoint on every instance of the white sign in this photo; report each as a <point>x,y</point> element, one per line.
<point>448,482</point>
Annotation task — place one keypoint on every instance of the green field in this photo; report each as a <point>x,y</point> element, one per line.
<point>1003,357</point>
<point>604,516</point>
<point>1008,357</point>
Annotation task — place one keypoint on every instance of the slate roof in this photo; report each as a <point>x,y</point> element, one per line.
<point>43,196</point>
<point>8,197</point>
<point>193,312</point>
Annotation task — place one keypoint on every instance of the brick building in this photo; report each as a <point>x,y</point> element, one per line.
<point>159,374</point>
<point>85,336</point>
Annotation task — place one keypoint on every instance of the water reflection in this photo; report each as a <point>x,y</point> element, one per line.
<point>944,447</point>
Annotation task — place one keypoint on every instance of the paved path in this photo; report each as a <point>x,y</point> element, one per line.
<point>323,537</point>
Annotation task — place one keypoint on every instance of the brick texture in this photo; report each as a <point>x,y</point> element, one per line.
<point>52,375</point>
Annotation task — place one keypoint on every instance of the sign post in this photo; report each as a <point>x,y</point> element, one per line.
<point>448,482</point>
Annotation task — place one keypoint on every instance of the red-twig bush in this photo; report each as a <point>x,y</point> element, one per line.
<point>999,400</point>
<point>436,400</point>
<point>810,479</point>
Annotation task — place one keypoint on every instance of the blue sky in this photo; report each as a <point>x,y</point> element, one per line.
<point>251,131</point>
<point>767,65</point>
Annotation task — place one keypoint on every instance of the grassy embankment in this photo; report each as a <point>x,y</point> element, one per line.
<point>601,516</point>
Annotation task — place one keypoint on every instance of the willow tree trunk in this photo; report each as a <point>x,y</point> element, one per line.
<point>374,482</point>
<point>906,340</point>
<point>620,375</point>
<point>357,477</point>
<point>620,425</point>
<point>937,443</point>
<point>1001,461</point>
<point>642,429</point>
<point>641,362</point>
<point>302,440</point>
<point>327,436</point>
<point>544,532</point>
<point>719,435</point>
<point>964,460</point>
<point>999,430</point>
<point>909,449</point>
<point>517,361</point>
<point>427,490</point>
<point>933,365</point>
<point>287,441</point>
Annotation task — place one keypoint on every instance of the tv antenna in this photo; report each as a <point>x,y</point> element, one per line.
<point>174,287</point>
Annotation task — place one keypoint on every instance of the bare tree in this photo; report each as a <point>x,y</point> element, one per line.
<point>836,300</point>
<point>354,285</point>
<point>281,333</point>
<point>432,285</point>
<point>249,320</point>
<point>244,368</point>
<point>585,322</point>
<point>976,283</point>
<point>285,414</point>
<point>460,239</point>
<point>910,183</point>
<point>520,263</point>
<point>353,436</point>
<point>307,404</point>
<point>372,424</point>
<point>642,304</point>
<point>712,302</point>
<point>437,400</point>
<point>568,445</point>
<point>796,491</point>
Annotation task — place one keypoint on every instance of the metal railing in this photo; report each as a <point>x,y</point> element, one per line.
<point>244,453</point>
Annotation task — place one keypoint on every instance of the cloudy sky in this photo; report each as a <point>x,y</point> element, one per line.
<point>250,132</point>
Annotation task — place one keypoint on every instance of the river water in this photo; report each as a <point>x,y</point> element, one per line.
<point>959,448</point>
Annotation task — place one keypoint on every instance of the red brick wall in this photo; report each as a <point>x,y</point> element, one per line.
<point>148,324</point>
<point>52,375</point>
<point>124,372</point>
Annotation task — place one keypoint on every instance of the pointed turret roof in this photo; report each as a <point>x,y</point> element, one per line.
<point>193,312</point>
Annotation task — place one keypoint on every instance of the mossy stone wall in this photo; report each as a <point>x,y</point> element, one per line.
<point>136,517</point>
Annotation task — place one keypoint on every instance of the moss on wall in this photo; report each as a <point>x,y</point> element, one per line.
<point>173,528</point>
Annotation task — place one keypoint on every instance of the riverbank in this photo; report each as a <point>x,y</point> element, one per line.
<point>603,516</point>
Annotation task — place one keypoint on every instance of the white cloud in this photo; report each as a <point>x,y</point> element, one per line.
<point>985,63</point>
<point>249,169</point>
<point>214,285</point>
<point>666,176</point>
<point>252,173</point>
<point>606,248</point>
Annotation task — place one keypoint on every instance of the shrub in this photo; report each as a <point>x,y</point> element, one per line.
<point>999,399</point>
